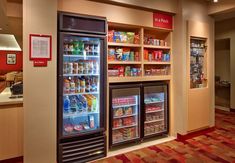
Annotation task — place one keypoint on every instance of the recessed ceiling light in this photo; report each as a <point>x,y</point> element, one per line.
<point>8,42</point>
<point>215,1</point>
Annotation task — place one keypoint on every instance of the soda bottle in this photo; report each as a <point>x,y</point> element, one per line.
<point>66,104</point>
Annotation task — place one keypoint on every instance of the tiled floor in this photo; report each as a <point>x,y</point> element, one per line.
<point>216,146</point>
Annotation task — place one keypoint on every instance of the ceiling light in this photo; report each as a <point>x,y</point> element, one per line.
<point>8,42</point>
<point>215,1</point>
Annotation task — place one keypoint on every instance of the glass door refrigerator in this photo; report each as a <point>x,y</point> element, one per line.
<point>124,114</point>
<point>81,88</point>
<point>155,109</point>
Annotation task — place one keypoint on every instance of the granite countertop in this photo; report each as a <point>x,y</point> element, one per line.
<point>5,100</point>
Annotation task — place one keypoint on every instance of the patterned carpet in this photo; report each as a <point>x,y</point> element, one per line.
<point>216,146</point>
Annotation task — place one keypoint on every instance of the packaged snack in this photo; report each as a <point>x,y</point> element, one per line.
<point>78,127</point>
<point>136,39</point>
<point>119,54</point>
<point>127,71</point>
<point>123,37</point>
<point>117,123</point>
<point>118,112</point>
<point>111,54</point>
<point>68,128</point>
<point>130,37</point>
<point>128,111</point>
<point>126,54</point>
<point>121,71</point>
<point>110,35</point>
<point>116,37</point>
<point>137,58</point>
<point>146,55</point>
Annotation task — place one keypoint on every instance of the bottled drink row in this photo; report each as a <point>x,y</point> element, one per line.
<point>80,85</point>
<point>81,67</point>
<point>80,104</point>
<point>80,47</point>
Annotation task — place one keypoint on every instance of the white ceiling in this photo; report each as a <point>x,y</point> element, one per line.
<point>8,42</point>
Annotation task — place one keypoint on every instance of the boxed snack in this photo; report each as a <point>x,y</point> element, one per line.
<point>113,72</point>
<point>111,54</point>
<point>121,71</point>
<point>110,35</point>
<point>130,37</point>
<point>117,37</point>
<point>126,54</point>
<point>123,37</point>
<point>136,39</point>
<point>119,54</point>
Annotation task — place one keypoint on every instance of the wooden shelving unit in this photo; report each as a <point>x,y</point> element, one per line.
<point>142,63</point>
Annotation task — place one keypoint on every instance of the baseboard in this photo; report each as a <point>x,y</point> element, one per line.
<point>194,134</point>
<point>232,110</point>
<point>13,160</point>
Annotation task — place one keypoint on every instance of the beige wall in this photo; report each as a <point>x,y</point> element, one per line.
<point>225,29</point>
<point>39,17</point>
<point>194,10</point>
<point>221,7</point>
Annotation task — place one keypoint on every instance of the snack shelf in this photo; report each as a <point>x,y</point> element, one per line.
<point>124,116</point>
<point>152,121</point>
<point>155,133</point>
<point>155,111</point>
<point>81,56</point>
<point>84,93</point>
<point>120,106</point>
<point>117,128</point>
<point>157,47</point>
<point>68,115</point>
<point>122,62</point>
<point>157,63</point>
<point>124,44</point>
<point>124,140</point>
<point>80,75</point>
<point>153,102</point>
<point>138,78</point>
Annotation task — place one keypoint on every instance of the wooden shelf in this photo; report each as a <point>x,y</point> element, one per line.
<point>138,78</point>
<point>157,47</point>
<point>122,62</point>
<point>156,63</point>
<point>124,44</point>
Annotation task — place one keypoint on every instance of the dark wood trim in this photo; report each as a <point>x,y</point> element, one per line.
<point>232,110</point>
<point>8,106</point>
<point>194,134</point>
<point>132,6</point>
<point>13,160</point>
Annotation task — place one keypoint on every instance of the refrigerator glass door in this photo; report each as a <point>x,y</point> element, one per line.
<point>155,103</point>
<point>81,84</point>
<point>125,114</point>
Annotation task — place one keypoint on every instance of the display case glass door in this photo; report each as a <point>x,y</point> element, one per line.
<point>155,108</point>
<point>125,115</point>
<point>81,84</point>
<point>198,62</point>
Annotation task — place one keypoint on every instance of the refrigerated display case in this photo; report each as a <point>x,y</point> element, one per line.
<point>155,110</point>
<point>81,88</point>
<point>137,111</point>
<point>124,114</point>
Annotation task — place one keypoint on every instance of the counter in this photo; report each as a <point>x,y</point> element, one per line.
<point>5,100</point>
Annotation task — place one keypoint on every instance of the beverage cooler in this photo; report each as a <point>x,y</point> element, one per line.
<point>81,88</point>
<point>137,112</point>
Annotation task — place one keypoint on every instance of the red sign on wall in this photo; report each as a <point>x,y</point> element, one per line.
<point>162,20</point>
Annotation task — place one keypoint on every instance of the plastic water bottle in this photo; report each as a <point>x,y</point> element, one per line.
<point>66,104</point>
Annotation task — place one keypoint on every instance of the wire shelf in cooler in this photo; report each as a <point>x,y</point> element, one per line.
<point>154,102</point>
<point>80,75</point>
<point>155,133</point>
<point>155,111</point>
<point>67,115</point>
<point>124,116</point>
<point>120,106</point>
<point>117,128</point>
<point>152,121</point>
<point>82,56</point>
<point>84,93</point>
<point>124,140</point>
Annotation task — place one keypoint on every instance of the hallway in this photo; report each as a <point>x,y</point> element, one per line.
<point>216,146</point>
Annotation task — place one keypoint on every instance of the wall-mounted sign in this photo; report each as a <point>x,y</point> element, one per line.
<point>162,20</point>
<point>11,59</point>
<point>40,49</point>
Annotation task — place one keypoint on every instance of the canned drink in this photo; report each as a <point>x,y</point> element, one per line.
<point>155,55</point>
<point>158,42</point>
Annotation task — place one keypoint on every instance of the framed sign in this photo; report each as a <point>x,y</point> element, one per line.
<point>40,47</point>
<point>11,59</point>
